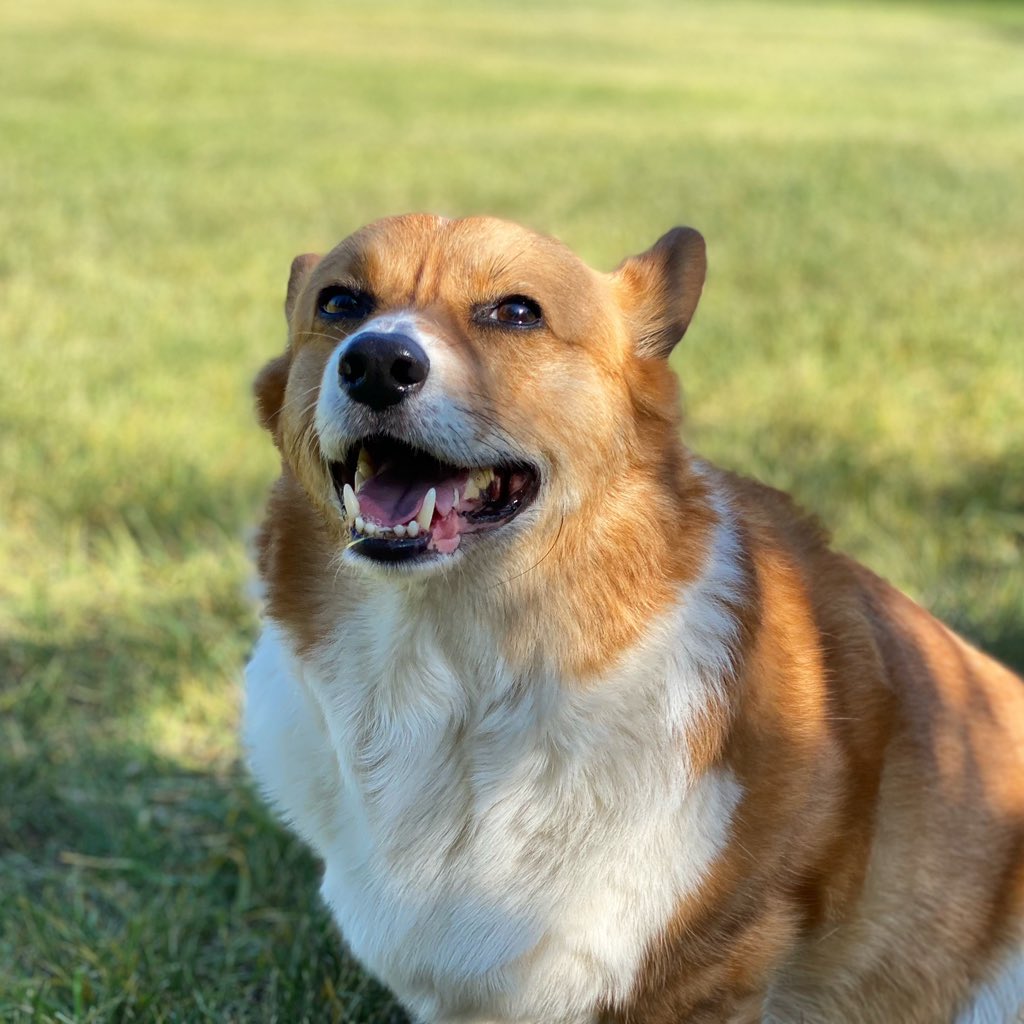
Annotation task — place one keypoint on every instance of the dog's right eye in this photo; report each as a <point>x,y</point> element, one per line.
<point>511,311</point>
<point>340,303</point>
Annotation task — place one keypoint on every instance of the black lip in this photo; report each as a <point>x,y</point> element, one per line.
<point>382,549</point>
<point>507,506</point>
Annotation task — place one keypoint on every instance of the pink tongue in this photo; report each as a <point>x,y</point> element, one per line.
<point>390,498</point>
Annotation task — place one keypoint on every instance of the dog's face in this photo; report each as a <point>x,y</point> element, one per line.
<point>453,388</point>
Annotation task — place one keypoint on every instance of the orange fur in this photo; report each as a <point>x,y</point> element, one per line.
<point>874,870</point>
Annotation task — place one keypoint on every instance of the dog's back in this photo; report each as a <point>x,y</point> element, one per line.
<point>880,841</point>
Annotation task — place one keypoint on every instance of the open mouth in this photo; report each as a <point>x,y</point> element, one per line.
<point>401,502</point>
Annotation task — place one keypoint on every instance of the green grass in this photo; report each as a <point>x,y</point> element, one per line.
<point>856,170</point>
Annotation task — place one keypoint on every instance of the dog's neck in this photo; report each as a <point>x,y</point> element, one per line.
<point>568,605</point>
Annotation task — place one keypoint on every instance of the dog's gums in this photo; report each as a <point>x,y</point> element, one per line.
<point>402,503</point>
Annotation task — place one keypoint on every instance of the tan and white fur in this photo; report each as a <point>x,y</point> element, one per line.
<point>647,752</point>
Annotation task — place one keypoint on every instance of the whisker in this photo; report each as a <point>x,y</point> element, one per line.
<point>503,434</point>
<point>303,394</point>
<point>502,583</point>
<point>321,334</point>
<point>527,435</point>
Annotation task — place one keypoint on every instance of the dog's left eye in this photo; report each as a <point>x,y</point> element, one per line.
<point>340,303</point>
<point>515,311</point>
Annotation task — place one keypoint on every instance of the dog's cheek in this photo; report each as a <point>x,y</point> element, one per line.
<point>268,390</point>
<point>584,423</point>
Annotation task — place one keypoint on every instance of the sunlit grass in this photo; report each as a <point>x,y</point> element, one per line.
<point>855,169</point>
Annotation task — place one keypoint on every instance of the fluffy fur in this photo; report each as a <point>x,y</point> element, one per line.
<point>650,752</point>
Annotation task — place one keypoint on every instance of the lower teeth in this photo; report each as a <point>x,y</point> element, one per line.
<point>367,529</point>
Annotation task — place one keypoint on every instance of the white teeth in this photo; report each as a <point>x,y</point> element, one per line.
<point>351,501</point>
<point>368,528</point>
<point>455,497</point>
<point>360,480</point>
<point>426,512</point>
<point>371,529</point>
<point>477,484</point>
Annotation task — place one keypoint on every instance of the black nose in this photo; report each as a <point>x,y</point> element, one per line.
<point>381,369</point>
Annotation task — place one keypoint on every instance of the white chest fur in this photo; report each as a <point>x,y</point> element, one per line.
<point>1001,999</point>
<point>496,848</point>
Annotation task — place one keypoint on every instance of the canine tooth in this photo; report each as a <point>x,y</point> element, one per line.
<point>426,512</point>
<point>455,497</point>
<point>413,529</point>
<point>364,466</point>
<point>360,480</point>
<point>399,530</point>
<point>351,501</point>
<point>360,524</point>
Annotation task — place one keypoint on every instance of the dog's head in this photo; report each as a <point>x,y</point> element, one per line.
<point>454,388</point>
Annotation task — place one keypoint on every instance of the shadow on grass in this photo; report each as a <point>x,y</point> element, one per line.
<point>165,499</point>
<point>138,887</point>
<point>984,507</point>
<point>142,888</point>
<point>955,532</point>
<point>987,498</point>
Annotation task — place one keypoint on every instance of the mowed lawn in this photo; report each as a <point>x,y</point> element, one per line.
<point>858,172</point>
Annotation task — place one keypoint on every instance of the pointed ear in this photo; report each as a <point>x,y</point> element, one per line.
<point>301,267</point>
<point>659,289</point>
<point>268,390</point>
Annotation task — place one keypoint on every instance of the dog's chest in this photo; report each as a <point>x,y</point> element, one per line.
<point>513,843</point>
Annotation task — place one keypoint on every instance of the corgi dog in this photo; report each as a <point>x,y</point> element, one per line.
<point>584,729</point>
